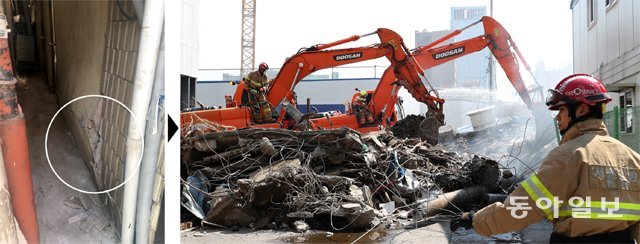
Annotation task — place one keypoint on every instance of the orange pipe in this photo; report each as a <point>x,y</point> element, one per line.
<point>11,233</point>
<point>13,137</point>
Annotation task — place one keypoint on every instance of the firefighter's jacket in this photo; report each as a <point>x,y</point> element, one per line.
<point>595,179</point>
<point>255,80</point>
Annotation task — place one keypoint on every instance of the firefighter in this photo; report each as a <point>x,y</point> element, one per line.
<point>588,186</point>
<point>360,108</point>
<point>256,84</point>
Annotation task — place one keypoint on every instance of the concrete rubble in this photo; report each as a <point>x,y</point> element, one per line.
<point>332,180</point>
<point>85,207</point>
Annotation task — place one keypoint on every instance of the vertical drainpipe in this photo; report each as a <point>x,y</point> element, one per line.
<point>13,137</point>
<point>151,31</point>
<point>10,233</point>
<point>152,140</point>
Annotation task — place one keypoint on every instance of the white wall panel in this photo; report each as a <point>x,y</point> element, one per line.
<point>189,37</point>
<point>635,5</point>
<point>612,35</point>
<point>576,39</point>
<point>625,15</point>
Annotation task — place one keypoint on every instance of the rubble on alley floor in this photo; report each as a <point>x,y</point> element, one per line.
<point>330,180</point>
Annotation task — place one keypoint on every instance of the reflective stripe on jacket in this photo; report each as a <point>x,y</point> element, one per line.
<point>595,178</point>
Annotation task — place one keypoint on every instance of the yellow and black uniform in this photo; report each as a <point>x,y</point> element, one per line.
<point>255,83</point>
<point>361,110</point>
<point>595,178</point>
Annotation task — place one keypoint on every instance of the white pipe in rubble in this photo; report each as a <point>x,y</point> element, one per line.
<point>151,32</point>
<point>152,139</point>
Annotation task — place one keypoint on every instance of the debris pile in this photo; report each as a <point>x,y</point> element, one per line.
<point>512,142</point>
<point>406,128</point>
<point>86,210</point>
<point>327,179</point>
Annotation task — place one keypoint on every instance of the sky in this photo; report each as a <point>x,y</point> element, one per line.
<point>541,29</point>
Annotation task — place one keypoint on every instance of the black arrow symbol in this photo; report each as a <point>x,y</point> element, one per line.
<point>172,128</point>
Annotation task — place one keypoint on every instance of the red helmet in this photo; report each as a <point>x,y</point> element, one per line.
<point>263,66</point>
<point>577,88</point>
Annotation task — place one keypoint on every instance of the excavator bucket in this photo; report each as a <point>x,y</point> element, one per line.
<point>429,130</point>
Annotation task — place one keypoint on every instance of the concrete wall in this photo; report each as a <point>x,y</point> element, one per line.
<point>96,52</point>
<point>80,28</point>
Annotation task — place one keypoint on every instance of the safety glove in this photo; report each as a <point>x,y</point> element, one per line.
<point>464,220</point>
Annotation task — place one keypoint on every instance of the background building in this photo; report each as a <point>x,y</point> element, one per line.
<point>473,69</point>
<point>606,44</point>
<point>188,52</point>
<point>441,76</point>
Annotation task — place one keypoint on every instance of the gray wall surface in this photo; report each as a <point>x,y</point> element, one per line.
<point>80,28</point>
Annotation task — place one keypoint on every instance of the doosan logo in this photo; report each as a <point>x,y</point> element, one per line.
<point>449,53</point>
<point>347,56</point>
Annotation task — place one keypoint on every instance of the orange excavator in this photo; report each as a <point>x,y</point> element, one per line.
<point>495,37</point>
<point>308,60</point>
<point>406,70</point>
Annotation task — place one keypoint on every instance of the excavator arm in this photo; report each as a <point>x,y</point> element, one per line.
<point>496,38</point>
<point>302,64</point>
<point>318,57</point>
<point>311,59</point>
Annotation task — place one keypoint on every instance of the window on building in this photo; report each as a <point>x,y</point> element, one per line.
<point>608,3</point>
<point>457,14</point>
<point>187,92</point>
<point>591,12</point>
<point>626,111</point>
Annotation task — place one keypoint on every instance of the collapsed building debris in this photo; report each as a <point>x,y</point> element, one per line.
<point>513,142</point>
<point>330,180</point>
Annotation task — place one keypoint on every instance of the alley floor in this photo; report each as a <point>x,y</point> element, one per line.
<point>435,233</point>
<point>64,215</point>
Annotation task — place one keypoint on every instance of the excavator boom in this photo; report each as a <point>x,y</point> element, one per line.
<point>318,57</point>
<point>406,70</point>
<point>496,38</point>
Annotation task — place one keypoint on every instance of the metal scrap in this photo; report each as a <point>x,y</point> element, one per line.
<point>327,179</point>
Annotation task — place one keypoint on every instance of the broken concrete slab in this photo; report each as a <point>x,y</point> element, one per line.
<point>387,208</point>
<point>407,127</point>
<point>229,212</point>
<point>85,201</point>
<point>73,202</point>
<point>95,200</point>
<point>301,226</point>
<point>266,147</point>
<point>261,223</point>
<point>303,215</point>
<point>279,167</point>
<point>88,224</point>
<point>78,217</point>
<point>101,224</point>
<point>351,206</point>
